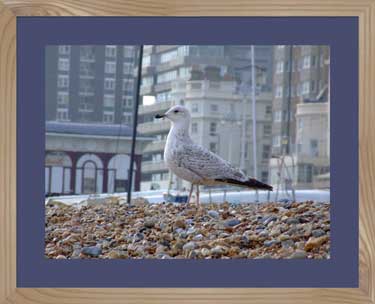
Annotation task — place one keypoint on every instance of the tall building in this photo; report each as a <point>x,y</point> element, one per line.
<point>89,98</point>
<point>300,126</point>
<point>90,83</point>
<point>204,79</point>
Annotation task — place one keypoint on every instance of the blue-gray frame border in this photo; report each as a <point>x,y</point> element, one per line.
<point>340,33</point>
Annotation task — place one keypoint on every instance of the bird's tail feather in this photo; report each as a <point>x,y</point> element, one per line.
<point>250,183</point>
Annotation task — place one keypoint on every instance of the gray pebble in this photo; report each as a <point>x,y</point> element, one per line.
<point>138,237</point>
<point>149,223</point>
<point>191,230</point>
<point>292,220</point>
<point>318,232</point>
<point>218,250</point>
<point>232,222</point>
<point>271,243</point>
<point>198,237</point>
<point>268,220</point>
<point>93,251</point>
<point>287,244</point>
<point>298,254</point>
<point>214,214</point>
<point>189,246</point>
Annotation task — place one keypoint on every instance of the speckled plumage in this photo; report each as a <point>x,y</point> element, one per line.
<point>194,163</point>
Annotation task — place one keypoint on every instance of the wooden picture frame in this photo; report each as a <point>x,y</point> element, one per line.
<point>9,10</point>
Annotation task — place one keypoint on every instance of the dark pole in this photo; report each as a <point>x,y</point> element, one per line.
<point>135,121</point>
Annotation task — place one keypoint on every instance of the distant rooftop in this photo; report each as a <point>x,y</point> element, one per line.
<point>89,129</point>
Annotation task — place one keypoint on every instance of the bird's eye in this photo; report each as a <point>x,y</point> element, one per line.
<point>175,111</point>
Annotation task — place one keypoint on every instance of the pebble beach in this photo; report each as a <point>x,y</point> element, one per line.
<point>113,230</point>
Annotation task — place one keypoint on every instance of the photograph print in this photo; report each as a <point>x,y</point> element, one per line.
<point>187,152</point>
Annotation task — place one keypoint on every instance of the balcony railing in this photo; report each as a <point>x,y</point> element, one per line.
<point>152,127</point>
<point>152,166</point>
<point>155,146</point>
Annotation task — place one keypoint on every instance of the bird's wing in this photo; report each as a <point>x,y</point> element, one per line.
<point>206,164</point>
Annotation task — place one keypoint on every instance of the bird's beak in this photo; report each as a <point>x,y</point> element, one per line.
<point>158,116</point>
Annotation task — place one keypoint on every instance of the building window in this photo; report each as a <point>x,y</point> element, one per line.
<point>87,53</point>
<point>300,124</point>
<point>63,81</point>
<point>313,61</point>
<point>64,49</point>
<point>280,67</point>
<point>306,62</point>
<point>305,173</point>
<point>266,151</point>
<point>306,87</point>
<point>168,56</point>
<point>109,83</point>
<point>267,129</point>
<point>86,69</point>
<point>268,109</point>
<point>127,118</point>
<point>129,51</point>
<point>109,101</point>
<point>108,117</point>
<point>110,67</point>
<point>194,128</point>
<point>62,114</point>
<point>63,64</point>
<point>156,177</point>
<point>127,102</point>
<point>280,47</point>
<point>277,116</point>
<point>279,92</point>
<point>164,96</point>
<point>127,84</point>
<point>128,68</point>
<point>167,76</point>
<point>183,50</point>
<point>86,86</point>
<point>110,51</point>
<point>214,107</point>
<point>213,147</point>
<point>146,61</point>
<point>276,141</point>
<point>147,81</point>
<point>194,108</point>
<point>213,128</point>
<point>287,66</point>
<point>62,98</point>
<point>314,147</point>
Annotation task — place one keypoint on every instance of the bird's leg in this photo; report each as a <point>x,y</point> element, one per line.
<point>198,202</point>
<point>191,191</point>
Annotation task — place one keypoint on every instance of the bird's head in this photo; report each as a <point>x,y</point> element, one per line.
<point>177,114</point>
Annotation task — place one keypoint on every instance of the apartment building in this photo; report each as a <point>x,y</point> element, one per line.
<point>90,83</point>
<point>204,79</point>
<point>300,124</point>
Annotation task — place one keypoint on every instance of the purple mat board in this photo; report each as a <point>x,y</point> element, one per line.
<point>35,33</point>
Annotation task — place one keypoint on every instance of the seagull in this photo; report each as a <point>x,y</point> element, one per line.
<point>195,163</point>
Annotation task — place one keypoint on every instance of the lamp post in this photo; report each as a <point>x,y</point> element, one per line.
<point>249,80</point>
<point>135,121</point>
